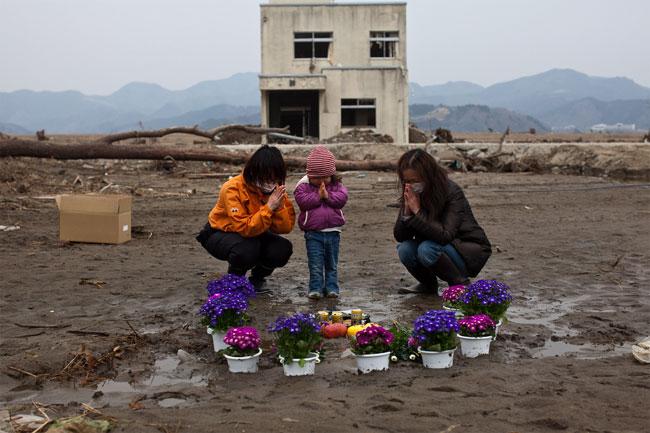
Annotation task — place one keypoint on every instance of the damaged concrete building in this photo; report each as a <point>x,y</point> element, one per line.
<point>331,67</point>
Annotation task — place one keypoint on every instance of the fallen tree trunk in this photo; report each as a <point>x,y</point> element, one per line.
<point>194,130</point>
<point>103,150</point>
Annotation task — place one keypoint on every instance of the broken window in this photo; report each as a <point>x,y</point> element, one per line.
<point>312,45</point>
<point>358,113</point>
<point>384,44</point>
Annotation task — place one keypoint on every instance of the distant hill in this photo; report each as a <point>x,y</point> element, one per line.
<point>10,128</point>
<point>206,118</point>
<point>472,118</point>
<point>72,111</point>
<point>585,113</point>
<point>558,98</point>
<point>536,95</point>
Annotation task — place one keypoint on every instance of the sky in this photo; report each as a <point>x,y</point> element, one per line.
<point>97,46</point>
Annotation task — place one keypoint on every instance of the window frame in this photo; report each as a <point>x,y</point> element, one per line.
<point>389,40</point>
<point>313,39</point>
<point>366,104</point>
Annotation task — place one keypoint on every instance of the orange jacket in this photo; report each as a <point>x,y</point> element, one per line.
<point>242,209</point>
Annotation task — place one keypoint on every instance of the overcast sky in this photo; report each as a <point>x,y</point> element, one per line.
<point>97,46</point>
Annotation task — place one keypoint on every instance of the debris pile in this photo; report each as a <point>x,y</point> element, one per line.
<point>417,135</point>
<point>359,136</point>
<point>238,136</point>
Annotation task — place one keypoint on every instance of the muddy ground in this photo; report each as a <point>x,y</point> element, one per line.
<point>575,251</point>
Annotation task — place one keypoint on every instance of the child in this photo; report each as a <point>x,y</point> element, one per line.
<point>321,197</point>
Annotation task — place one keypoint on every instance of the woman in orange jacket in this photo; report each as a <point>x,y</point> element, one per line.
<point>252,210</point>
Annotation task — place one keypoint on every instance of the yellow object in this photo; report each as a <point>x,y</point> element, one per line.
<point>337,317</point>
<point>356,316</point>
<point>352,330</point>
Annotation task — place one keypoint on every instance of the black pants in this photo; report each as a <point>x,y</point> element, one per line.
<point>262,253</point>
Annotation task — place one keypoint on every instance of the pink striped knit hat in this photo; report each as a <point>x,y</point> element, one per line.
<point>321,162</point>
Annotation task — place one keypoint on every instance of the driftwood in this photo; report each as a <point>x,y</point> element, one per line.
<point>102,149</point>
<point>194,130</point>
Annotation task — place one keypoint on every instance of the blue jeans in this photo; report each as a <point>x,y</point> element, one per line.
<point>323,258</point>
<point>413,254</point>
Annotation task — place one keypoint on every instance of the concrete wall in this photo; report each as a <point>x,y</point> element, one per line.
<point>349,71</point>
<point>351,26</point>
<point>389,88</point>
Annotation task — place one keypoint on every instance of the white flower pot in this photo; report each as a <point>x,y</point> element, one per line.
<point>243,364</point>
<point>217,339</point>
<point>459,313</point>
<point>295,369</point>
<point>444,359</point>
<point>373,362</point>
<point>471,347</point>
<point>496,329</point>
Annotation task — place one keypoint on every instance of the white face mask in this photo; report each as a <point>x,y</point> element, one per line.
<point>418,188</point>
<point>266,188</point>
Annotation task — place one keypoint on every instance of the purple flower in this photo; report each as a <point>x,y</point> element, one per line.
<point>244,338</point>
<point>487,292</point>
<point>489,297</point>
<point>480,325</point>
<point>295,324</point>
<point>223,310</point>
<point>453,293</point>
<point>230,283</point>
<point>436,330</point>
<point>296,336</point>
<point>373,339</point>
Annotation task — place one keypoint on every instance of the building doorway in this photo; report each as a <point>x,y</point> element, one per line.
<point>297,109</point>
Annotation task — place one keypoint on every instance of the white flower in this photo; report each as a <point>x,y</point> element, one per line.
<point>393,358</point>
<point>412,357</point>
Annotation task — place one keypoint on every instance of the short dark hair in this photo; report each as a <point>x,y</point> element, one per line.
<point>265,165</point>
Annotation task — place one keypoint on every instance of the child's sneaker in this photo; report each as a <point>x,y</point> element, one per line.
<point>333,295</point>
<point>314,295</point>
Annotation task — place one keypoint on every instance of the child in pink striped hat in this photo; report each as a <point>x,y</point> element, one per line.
<point>321,197</point>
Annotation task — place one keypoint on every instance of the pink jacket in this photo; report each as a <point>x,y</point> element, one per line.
<point>317,214</point>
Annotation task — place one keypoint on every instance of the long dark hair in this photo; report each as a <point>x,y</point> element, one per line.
<point>436,187</point>
<point>265,165</point>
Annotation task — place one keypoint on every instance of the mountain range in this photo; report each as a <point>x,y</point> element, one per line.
<point>555,98</point>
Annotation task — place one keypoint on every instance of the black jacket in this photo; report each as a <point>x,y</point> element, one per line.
<point>456,225</point>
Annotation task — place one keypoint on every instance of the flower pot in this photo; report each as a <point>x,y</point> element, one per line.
<point>471,347</point>
<point>459,313</point>
<point>243,364</point>
<point>295,369</point>
<point>217,339</point>
<point>444,359</point>
<point>496,329</point>
<point>373,362</point>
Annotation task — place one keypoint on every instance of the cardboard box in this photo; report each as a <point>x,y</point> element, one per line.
<point>95,218</point>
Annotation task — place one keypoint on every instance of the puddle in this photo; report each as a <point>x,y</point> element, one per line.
<point>171,402</point>
<point>580,351</point>
<point>167,371</point>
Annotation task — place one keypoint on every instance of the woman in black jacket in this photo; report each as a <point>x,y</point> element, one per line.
<point>437,233</point>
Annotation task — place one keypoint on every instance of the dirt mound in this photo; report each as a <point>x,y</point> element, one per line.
<point>359,136</point>
<point>237,136</point>
<point>417,135</point>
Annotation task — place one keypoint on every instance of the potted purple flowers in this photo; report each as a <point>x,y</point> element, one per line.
<point>451,298</point>
<point>298,340</point>
<point>231,283</point>
<point>475,334</point>
<point>244,349</point>
<point>434,333</point>
<point>489,297</point>
<point>223,311</point>
<point>372,347</point>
